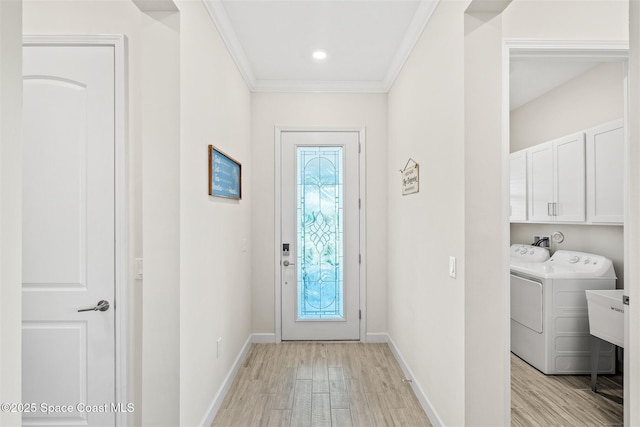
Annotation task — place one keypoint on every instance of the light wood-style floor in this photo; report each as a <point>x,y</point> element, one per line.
<point>355,384</point>
<point>320,384</point>
<point>563,400</point>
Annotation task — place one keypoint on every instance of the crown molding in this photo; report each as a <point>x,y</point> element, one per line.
<point>567,49</point>
<point>225,29</point>
<point>418,24</point>
<point>319,86</point>
<point>218,15</point>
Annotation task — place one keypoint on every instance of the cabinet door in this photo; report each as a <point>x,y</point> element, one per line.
<point>569,155</point>
<point>518,185</point>
<point>605,173</point>
<point>540,182</point>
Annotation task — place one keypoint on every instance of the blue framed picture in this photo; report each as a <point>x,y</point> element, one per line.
<point>225,175</point>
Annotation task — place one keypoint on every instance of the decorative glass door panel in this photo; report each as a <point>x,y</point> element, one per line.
<point>320,234</point>
<point>320,223</point>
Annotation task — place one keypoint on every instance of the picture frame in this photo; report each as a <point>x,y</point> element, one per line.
<point>225,175</point>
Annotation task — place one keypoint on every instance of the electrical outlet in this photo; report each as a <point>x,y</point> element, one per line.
<point>219,347</point>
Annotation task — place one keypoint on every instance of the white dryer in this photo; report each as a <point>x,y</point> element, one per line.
<point>526,294</point>
<point>549,321</point>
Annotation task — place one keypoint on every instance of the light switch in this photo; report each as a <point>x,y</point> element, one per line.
<point>452,266</point>
<point>139,268</point>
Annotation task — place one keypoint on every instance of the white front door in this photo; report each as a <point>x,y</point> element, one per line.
<point>320,235</point>
<point>68,356</point>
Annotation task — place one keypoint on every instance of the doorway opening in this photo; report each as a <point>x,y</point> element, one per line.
<point>553,90</point>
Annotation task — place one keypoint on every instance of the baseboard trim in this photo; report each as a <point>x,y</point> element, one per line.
<point>226,385</point>
<point>268,338</point>
<point>377,337</point>
<point>422,397</point>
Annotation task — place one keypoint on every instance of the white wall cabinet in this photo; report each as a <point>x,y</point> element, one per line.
<point>540,182</point>
<point>556,180</point>
<point>518,185</point>
<point>605,173</point>
<point>570,184</point>
<point>575,179</point>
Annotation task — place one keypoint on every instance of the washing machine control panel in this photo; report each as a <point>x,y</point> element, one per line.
<point>528,253</point>
<point>578,259</point>
<point>578,262</point>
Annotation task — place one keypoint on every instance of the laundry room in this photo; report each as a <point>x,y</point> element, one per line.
<point>567,171</point>
<point>592,96</point>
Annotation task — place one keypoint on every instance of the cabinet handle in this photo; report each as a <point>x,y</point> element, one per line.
<point>555,209</point>
<point>549,212</point>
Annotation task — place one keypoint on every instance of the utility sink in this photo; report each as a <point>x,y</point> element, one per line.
<point>606,315</point>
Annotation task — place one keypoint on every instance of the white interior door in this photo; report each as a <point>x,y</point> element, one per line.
<point>320,225</point>
<point>68,357</point>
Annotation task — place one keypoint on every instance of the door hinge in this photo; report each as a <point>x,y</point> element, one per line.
<point>360,314</point>
<point>359,203</point>
<point>359,258</point>
<point>625,299</point>
<point>359,148</point>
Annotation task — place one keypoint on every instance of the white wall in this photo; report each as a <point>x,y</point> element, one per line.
<point>632,359</point>
<point>588,100</point>
<point>215,234</point>
<point>567,20</point>
<point>487,367</point>
<point>161,246</point>
<point>426,123</point>
<point>308,109</point>
<point>153,121</point>
<point>591,99</point>
<point>10,206</point>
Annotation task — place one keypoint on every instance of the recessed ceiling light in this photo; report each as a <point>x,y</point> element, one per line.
<point>319,55</point>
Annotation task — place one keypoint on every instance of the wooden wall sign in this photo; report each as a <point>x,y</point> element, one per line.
<point>410,178</point>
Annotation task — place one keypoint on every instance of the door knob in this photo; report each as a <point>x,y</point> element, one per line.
<point>287,263</point>
<point>101,306</point>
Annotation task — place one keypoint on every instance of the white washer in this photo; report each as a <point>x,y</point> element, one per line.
<point>549,321</point>
<point>525,255</point>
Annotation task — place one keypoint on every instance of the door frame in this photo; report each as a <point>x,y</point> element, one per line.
<point>549,49</point>
<point>279,130</point>
<point>121,205</point>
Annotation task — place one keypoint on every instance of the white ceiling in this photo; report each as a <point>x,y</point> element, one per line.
<point>367,41</point>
